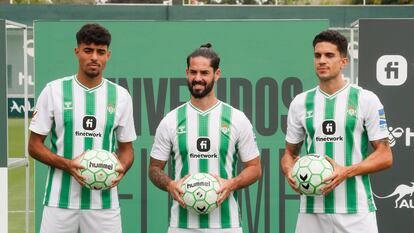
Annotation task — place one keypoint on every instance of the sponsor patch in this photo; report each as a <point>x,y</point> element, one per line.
<point>382,120</point>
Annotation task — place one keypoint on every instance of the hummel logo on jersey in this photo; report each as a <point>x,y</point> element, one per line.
<point>89,122</point>
<point>309,114</point>
<point>181,129</point>
<point>328,127</point>
<point>67,105</point>
<point>203,144</point>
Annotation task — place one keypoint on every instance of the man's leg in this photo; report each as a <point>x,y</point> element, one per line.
<point>102,221</point>
<point>361,222</point>
<point>321,223</point>
<point>58,220</point>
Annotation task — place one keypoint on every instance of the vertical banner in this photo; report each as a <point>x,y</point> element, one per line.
<point>3,95</point>
<point>264,65</point>
<point>386,68</point>
<point>3,130</point>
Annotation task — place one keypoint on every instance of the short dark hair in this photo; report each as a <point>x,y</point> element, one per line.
<point>206,51</point>
<point>93,33</point>
<point>335,38</point>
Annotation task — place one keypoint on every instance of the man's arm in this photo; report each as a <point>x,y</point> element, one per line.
<point>125,155</point>
<point>162,181</point>
<point>157,174</point>
<point>40,152</point>
<point>379,159</point>
<point>287,162</point>
<point>251,172</point>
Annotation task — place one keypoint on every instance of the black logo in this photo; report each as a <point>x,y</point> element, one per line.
<point>89,122</point>
<point>203,144</point>
<point>391,70</point>
<point>200,195</point>
<point>329,127</point>
<point>306,186</point>
<point>303,178</point>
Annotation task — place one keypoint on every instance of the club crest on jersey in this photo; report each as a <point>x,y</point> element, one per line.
<point>225,129</point>
<point>181,129</point>
<point>351,111</point>
<point>67,105</point>
<point>110,108</point>
<point>309,114</point>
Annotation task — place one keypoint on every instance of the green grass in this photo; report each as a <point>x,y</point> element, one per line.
<point>17,180</point>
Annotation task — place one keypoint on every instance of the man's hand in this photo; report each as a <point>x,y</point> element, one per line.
<point>340,173</point>
<point>73,167</point>
<point>288,161</point>
<point>121,172</point>
<point>226,187</point>
<point>291,181</point>
<point>174,188</point>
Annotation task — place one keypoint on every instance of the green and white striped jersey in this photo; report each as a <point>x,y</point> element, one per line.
<point>339,126</point>
<point>209,141</point>
<point>78,119</point>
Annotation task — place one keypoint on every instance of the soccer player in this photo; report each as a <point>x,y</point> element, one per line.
<point>205,135</point>
<point>81,112</point>
<point>339,120</point>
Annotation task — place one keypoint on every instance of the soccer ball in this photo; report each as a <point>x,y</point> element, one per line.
<point>309,171</point>
<point>200,195</point>
<point>100,169</point>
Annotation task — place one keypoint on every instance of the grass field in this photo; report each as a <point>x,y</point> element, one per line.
<point>17,180</point>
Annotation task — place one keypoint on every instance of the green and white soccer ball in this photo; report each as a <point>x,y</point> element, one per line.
<point>100,169</point>
<point>200,193</point>
<point>309,171</point>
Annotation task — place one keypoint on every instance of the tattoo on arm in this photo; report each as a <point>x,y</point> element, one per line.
<point>295,148</point>
<point>383,141</point>
<point>157,174</point>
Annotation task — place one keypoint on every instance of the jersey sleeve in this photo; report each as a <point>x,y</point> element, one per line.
<point>374,117</point>
<point>162,147</point>
<point>125,131</point>
<point>247,146</point>
<point>43,114</point>
<point>295,132</point>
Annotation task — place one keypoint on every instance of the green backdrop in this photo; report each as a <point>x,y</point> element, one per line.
<point>264,65</point>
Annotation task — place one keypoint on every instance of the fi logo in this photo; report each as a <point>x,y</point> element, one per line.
<point>329,127</point>
<point>89,122</point>
<point>392,70</point>
<point>203,144</point>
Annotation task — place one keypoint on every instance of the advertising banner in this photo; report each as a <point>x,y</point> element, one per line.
<point>264,65</point>
<point>386,68</point>
<point>16,108</point>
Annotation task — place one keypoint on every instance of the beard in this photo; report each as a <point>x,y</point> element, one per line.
<point>200,94</point>
<point>92,73</point>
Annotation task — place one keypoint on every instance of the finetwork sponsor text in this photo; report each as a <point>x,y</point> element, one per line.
<point>203,156</point>
<point>329,139</point>
<point>87,134</point>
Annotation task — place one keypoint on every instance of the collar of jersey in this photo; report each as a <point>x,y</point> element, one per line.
<point>334,94</point>
<point>85,87</point>
<point>207,111</point>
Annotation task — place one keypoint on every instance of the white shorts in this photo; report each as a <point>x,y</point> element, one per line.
<point>337,223</point>
<point>58,220</point>
<point>198,230</point>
